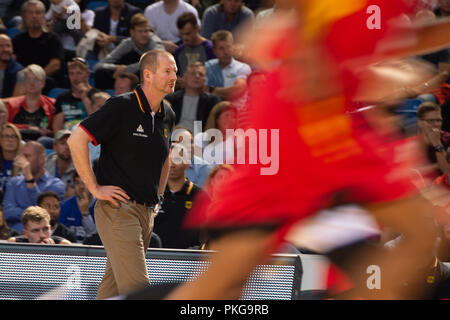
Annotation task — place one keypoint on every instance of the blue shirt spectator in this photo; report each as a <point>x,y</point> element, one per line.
<point>71,216</point>
<point>18,196</point>
<point>23,191</point>
<point>198,171</point>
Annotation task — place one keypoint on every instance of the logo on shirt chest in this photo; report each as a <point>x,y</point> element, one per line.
<point>140,132</point>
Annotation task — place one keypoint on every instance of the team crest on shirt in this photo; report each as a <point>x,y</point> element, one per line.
<point>165,133</point>
<point>188,204</point>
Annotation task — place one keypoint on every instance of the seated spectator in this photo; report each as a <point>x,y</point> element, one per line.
<point>36,222</point>
<point>125,82</point>
<point>5,231</point>
<point>163,16</point>
<point>9,67</point>
<point>192,103</point>
<point>435,141</point>
<point>33,112</point>
<point>3,113</point>
<point>98,99</point>
<point>87,16</point>
<point>194,47</point>
<point>218,145</point>
<point>50,201</point>
<point>37,46</point>
<point>178,197</point>
<point>56,17</point>
<point>199,169</point>
<point>443,10</point>
<point>113,22</point>
<point>59,163</point>
<point>10,145</point>
<point>226,76</point>
<point>125,57</point>
<point>77,212</point>
<point>74,105</point>
<point>226,15</point>
<point>22,191</point>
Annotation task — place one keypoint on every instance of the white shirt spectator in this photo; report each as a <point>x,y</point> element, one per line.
<point>165,25</point>
<point>59,8</point>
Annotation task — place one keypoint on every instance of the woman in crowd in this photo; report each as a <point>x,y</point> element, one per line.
<point>10,145</point>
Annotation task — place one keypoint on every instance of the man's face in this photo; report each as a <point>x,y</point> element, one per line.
<point>32,84</point>
<point>80,187</point>
<point>445,5</point>
<point>433,118</point>
<point>36,232</point>
<point>78,76</point>
<point>140,35</point>
<point>223,49</point>
<point>33,17</point>
<point>163,80</point>
<point>52,205</point>
<point>122,85</point>
<point>6,49</point>
<point>195,77</point>
<point>37,161</point>
<point>189,34</point>
<point>231,6</point>
<point>177,167</point>
<point>62,148</point>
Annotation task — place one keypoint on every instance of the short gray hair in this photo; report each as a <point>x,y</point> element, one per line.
<point>37,71</point>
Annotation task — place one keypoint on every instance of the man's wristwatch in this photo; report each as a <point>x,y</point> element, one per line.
<point>160,199</point>
<point>32,180</point>
<point>439,148</point>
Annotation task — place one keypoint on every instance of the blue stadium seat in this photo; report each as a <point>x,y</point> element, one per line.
<point>96,4</point>
<point>54,93</point>
<point>110,92</point>
<point>91,63</point>
<point>13,31</point>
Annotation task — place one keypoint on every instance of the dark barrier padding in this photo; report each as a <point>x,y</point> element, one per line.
<point>27,271</point>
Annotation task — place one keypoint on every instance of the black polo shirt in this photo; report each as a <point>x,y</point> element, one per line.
<point>134,144</point>
<point>169,222</point>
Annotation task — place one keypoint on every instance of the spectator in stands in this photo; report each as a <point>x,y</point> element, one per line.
<point>37,229</point>
<point>9,67</point>
<point>3,113</point>
<point>226,76</point>
<point>77,212</point>
<point>32,113</point>
<point>22,191</point>
<point>10,145</point>
<point>435,141</point>
<point>87,16</point>
<point>50,201</point>
<point>216,177</point>
<point>113,22</point>
<point>5,231</point>
<point>163,16</point>
<point>57,18</point>
<point>226,15</point>
<point>59,164</point>
<point>218,145</point>
<point>443,10</point>
<point>178,197</point>
<point>192,103</point>
<point>199,169</point>
<point>72,106</point>
<point>125,57</point>
<point>125,82</point>
<point>98,99</point>
<point>36,45</point>
<point>194,47</point>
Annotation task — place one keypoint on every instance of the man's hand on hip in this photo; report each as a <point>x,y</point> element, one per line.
<point>111,194</point>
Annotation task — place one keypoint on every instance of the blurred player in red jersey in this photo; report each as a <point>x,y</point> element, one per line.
<point>326,157</point>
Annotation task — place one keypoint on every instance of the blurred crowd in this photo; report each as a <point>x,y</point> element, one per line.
<point>60,60</point>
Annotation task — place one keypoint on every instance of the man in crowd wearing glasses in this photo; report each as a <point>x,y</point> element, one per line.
<point>72,106</point>
<point>435,141</point>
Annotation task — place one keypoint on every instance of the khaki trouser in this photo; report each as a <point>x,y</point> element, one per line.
<point>125,233</point>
